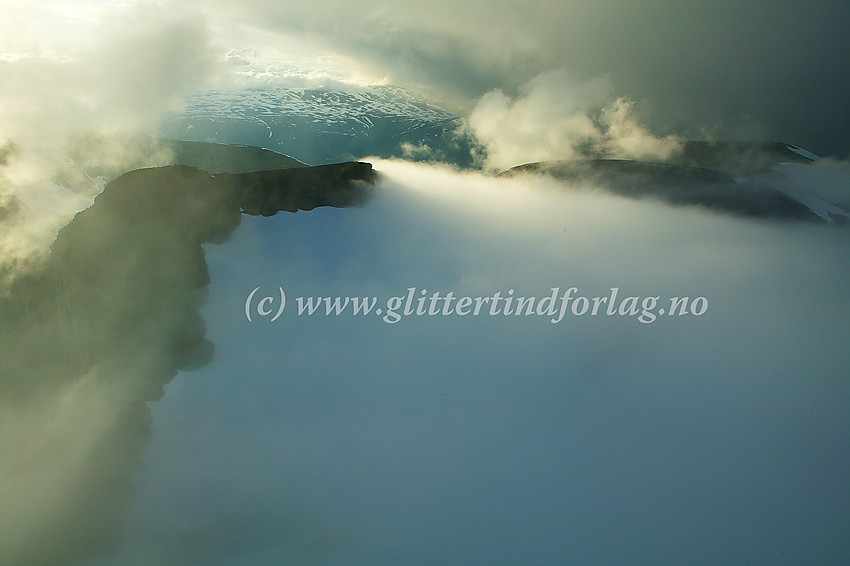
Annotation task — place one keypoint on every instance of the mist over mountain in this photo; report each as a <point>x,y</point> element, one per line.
<point>107,321</point>
<point>105,324</point>
<point>114,311</point>
<point>509,438</point>
<point>577,310</point>
<point>743,178</point>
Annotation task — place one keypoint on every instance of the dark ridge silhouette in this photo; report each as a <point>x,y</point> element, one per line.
<point>676,184</point>
<point>307,188</point>
<point>115,309</point>
<point>231,158</point>
<point>738,157</point>
<point>92,160</point>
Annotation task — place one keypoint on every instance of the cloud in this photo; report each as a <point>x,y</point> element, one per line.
<point>334,421</point>
<point>737,70</point>
<point>511,439</point>
<point>71,110</point>
<point>143,62</point>
<point>556,116</point>
<point>92,336</point>
<point>62,116</point>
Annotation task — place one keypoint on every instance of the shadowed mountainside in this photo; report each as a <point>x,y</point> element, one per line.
<point>96,332</point>
<point>230,158</point>
<point>97,160</point>
<point>739,157</point>
<point>732,177</point>
<point>675,184</point>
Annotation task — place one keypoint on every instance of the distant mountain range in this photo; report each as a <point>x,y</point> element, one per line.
<point>320,126</point>
<point>325,126</point>
<point>268,129</point>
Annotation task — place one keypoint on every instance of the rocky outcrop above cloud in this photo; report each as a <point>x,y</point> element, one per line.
<point>742,178</point>
<point>103,325</point>
<point>739,157</point>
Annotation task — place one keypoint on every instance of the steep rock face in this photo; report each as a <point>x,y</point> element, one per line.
<point>135,258</point>
<point>265,193</point>
<point>108,320</point>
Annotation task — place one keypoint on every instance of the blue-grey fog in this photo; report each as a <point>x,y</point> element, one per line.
<point>503,439</point>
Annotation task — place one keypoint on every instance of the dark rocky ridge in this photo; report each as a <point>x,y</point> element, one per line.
<point>675,184</point>
<point>737,157</point>
<point>230,158</point>
<point>108,157</point>
<point>141,239</point>
<point>735,177</point>
<point>306,188</point>
<point>115,308</point>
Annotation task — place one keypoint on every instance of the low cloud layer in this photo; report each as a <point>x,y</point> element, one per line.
<point>505,439</point>
<point>356,440</point>
<point>92,335</point>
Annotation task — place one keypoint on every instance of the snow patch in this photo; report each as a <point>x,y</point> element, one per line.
<point>803,152</point>
<point>822,208</point>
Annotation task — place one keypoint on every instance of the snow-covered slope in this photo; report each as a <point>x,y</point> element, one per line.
<point>314,125</point>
